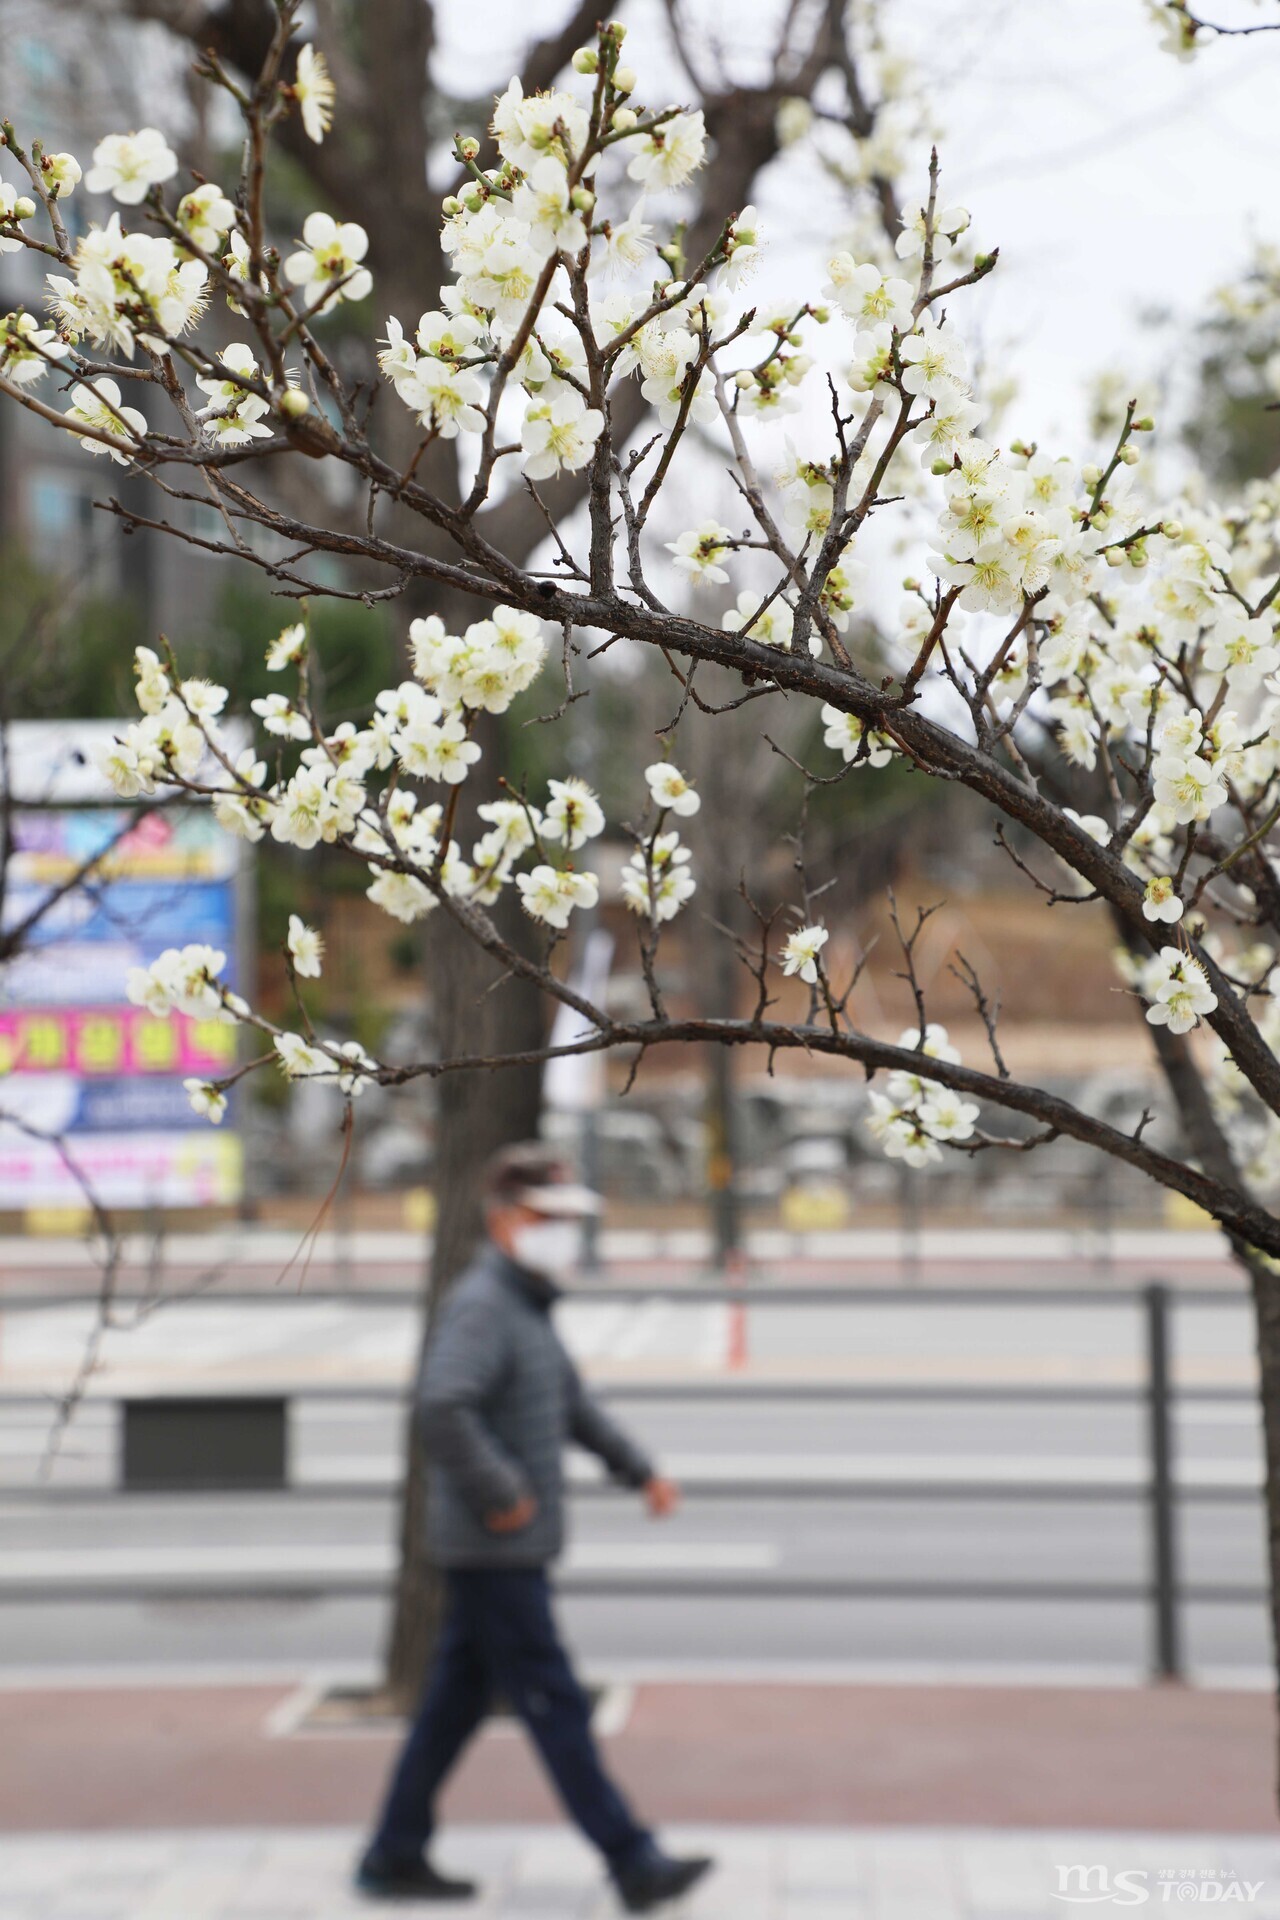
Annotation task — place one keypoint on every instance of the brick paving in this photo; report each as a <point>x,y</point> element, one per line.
<point>1165,1759</point>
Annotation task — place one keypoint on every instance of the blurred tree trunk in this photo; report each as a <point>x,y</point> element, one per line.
<point>478,1113</point>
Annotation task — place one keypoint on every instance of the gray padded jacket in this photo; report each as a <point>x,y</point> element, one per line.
<point>499,1400</point>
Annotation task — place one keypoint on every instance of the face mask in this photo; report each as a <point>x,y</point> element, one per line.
<point>549,1247</point>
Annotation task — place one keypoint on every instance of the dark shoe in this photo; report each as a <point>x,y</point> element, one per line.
<point>384,1879</point>
<point>657,1878</point>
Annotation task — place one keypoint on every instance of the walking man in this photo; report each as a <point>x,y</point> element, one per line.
<point>500,1400</point>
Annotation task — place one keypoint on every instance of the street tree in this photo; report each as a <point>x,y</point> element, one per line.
<point>378,167</point>
<point>1092,657</point>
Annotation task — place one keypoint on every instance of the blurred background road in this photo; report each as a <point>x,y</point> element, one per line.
<point>919,1437</point>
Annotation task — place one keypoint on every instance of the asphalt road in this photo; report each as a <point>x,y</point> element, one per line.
<point>773,1534</point>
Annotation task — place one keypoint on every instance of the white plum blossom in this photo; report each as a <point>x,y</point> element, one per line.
<point>327,265</point>
<point>947,228</point>
<point>800,953</point>
<point>288,647</point>
<point>1242,648</point>
<point>666,862</point>
<point>401,895</point>
<point>1188,786</point>
<point>206,1099</point>
<point>670,153</point>
<point>315,93</point>
<point>559,434</point>
<point>901,1131</point>
<point>444,397</point>
<point>869,299</point>
<point>306,948</point>
<point>770,624</point>
<point>934,361</point>
<point>546,205</point>
<point>181,980</point>
<point>529,127</point>
<point>854,740</point>
<point>743,246</point>
<point>206,215</point>
<point>670,791</point>
<point>573,815</point>
<point>279,715</point>
<point>946,1115</point>
<point>98,404</point>
<point>28,350</point>
<point>1160,901</point>
<point>550,896</point>
<point>234,414</point>
<point>626,243</point>
<point>699,552</point>
<point>62,174</point>
<point>301,1058</point>
<point>1179,991</point>
<point>916,1116</point>
<point>128,165</point>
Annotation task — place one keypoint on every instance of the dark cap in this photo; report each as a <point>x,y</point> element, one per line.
<point>535,1175</point>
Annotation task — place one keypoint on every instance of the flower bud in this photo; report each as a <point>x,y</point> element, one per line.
<point>451,205</point>
<point>1145,425</point>
<point>1091,475</point>
<point>624,79</point>
<point>745,380</point>
<point>940,466</point>
<point>1115,556</point>
<point>23,207</point>
<point>624,119</point>
<point>1102,519</point>
<point>616,32</point>
<point>1171,529</point>
<point>586,60</point>
<point>582,199</point>
<point>910,584</point>
<point>1129,455</point>
<point>1138,555</point>
<point>293,403</point>
<point>468,147</point>
<point>821,315</point>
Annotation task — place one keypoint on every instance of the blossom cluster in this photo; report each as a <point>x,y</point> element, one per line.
<point>915,1117</point>
<point>1057,605</point>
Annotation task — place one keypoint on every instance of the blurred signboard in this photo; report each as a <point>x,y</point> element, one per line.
<point>77,1059</point>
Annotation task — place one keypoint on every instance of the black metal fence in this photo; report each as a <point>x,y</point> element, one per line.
<point>1164,1592</point>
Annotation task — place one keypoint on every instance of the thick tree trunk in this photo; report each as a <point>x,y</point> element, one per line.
<point>1207,1143</point>
<point>1266,1308</point>
<point>478,1113</point>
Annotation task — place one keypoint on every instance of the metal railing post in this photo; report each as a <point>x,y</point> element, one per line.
<point>1162,1497</point>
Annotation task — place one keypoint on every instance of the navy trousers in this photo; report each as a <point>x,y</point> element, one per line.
<point>499,1637</point>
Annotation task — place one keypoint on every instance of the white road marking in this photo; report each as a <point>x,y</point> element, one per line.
<point>908,1467</point>
<point>57,1566</point>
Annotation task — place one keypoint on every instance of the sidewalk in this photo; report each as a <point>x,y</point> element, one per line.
<point>235,1256</point>
<point>546,1874</point>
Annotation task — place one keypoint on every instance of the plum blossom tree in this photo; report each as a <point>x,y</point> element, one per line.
<point>1093,659</point>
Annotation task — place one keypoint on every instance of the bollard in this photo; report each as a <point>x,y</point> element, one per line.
<point>1162,1495</point>
<point>735,1274</point>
